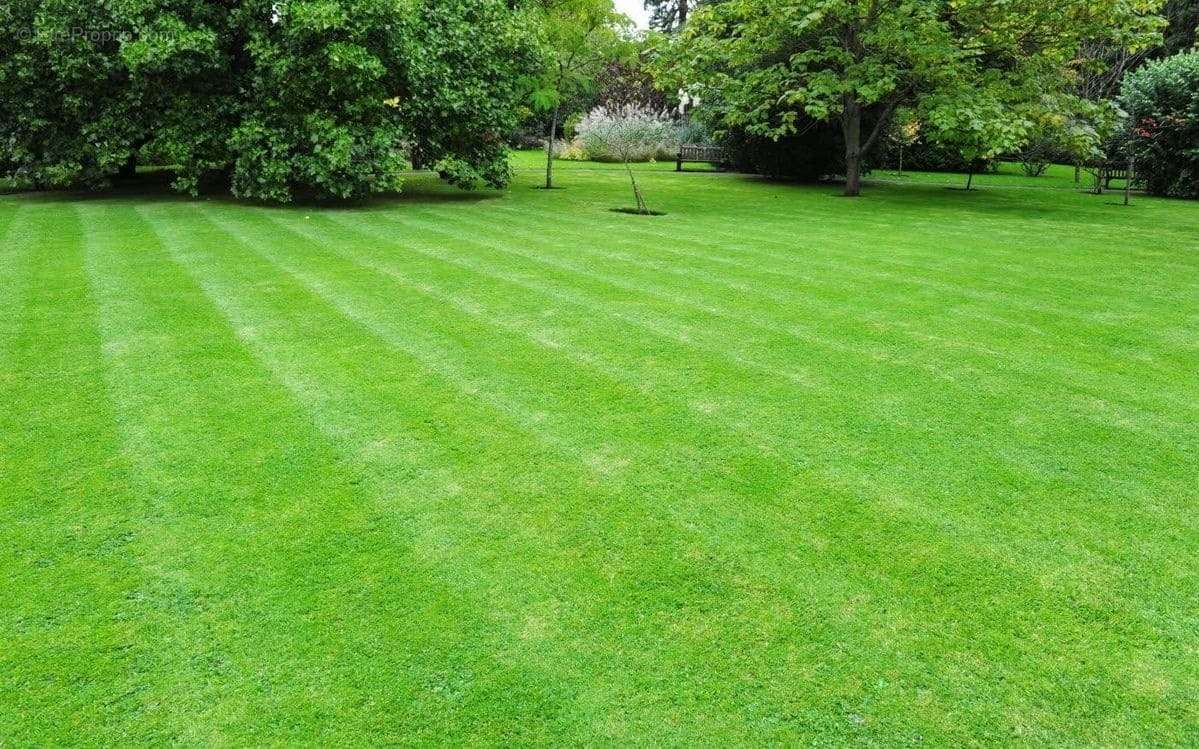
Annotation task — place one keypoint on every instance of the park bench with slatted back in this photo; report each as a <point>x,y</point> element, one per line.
<point>693,154</point>
<point>1110,171</point>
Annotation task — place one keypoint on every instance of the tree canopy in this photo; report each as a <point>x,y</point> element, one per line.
<point>1182,31</point>
<point>581,39</point>
<point>322,96</point>
<point>980,74</point>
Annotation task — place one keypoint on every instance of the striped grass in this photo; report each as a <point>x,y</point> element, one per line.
<point>493,468</point>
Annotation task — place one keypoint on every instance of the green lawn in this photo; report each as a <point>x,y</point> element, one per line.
<point>489,468</point>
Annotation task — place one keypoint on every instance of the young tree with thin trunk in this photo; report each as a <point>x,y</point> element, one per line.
<point>903,134</point>
<point>630,136</point>
<point>582,37</point>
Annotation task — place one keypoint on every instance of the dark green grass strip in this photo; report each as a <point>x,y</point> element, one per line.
<point>66,520</point>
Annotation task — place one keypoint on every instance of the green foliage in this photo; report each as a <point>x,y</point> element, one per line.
<point>978,125</point>
<point>627,134</point>
<point>1162,100</point>
<point>979,73</point>
<point>1182,33</point>
<point>582,38</point>
<point>322,96</point>
<point>66,113</point>
<point>463,87</point>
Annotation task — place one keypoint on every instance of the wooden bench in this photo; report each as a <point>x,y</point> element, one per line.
<point>691,154</point>
<point>1109,171</point>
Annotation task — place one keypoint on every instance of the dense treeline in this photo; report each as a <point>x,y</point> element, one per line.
<point>339,98</point>
<point>984,78</point>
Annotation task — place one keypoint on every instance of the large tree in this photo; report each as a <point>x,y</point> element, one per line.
<point>979,72</point>
<point>1106,64</point>
<point>321,96</point>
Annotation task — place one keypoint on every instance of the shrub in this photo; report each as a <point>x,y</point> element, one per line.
<point>569,150</point>
<point>279,98</point>
<point>13,184</point>
<point>694,132</point>
<point>628,133</point>
<point>815,152</point>
<point>811,155</point>
<point>1035,157</point>
<point>1162,98</point>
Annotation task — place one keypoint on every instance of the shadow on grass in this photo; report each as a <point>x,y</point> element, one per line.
<point>155,187</point>
<point>635,212</point>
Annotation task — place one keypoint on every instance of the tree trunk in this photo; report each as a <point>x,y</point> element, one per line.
<point>900,174</point>
<point>549,151</point>
<point>1132,166</point>
<point>642,208</point>
<point>682,13</point>
<point>851,128</point>
<point>970,176</point>
<point>128,170</point>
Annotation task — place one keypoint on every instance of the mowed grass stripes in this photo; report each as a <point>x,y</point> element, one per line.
<point>491,468</point>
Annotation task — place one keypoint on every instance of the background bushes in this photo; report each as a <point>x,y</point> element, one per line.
<point>604,133</point>
<point>1162,98</point>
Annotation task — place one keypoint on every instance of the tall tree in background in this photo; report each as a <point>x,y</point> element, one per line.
<point>582,38</point>
<point>669,15</point>
<point>1182,33</point>
<point>975,70</point>
<point>1106,65</point>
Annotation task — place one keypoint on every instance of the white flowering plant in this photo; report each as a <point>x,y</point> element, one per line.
<point>630,133</point>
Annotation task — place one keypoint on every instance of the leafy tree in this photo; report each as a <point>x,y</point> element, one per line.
<point>1162,99</point>
<point>973,69</point>
<point>66,112</point>
<point>1107,64</point>
<point>324,96</point>
<point>582,38</point>
<point>464,82</point>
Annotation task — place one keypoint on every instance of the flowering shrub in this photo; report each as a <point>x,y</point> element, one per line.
<point>1163,100</point>
<point>628,133</point>
<point>569,150</point>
